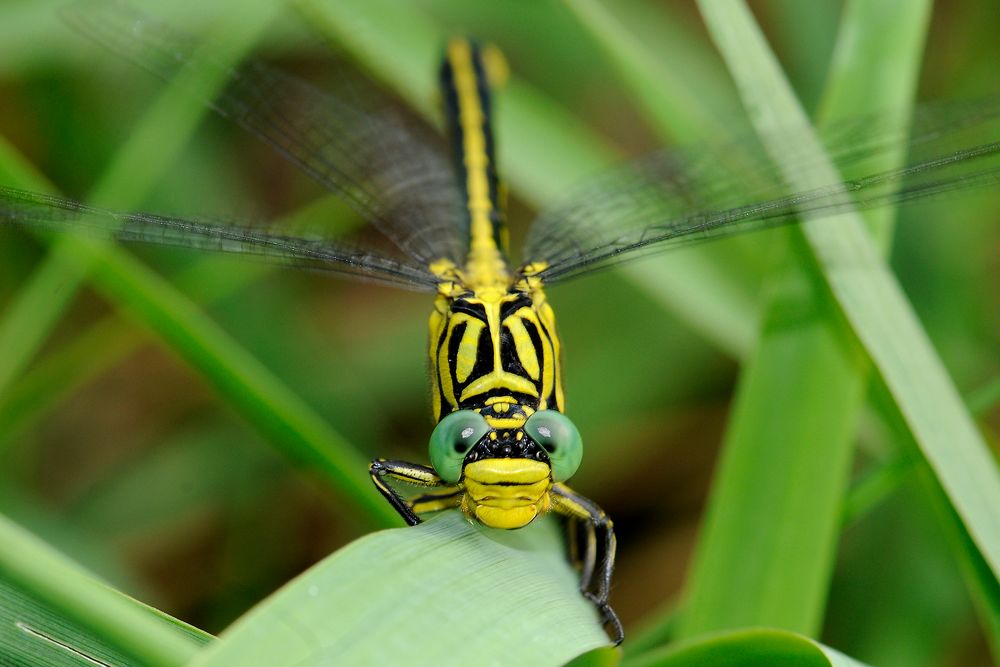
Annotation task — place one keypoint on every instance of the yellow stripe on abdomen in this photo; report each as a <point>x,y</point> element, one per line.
<point>485,265</point>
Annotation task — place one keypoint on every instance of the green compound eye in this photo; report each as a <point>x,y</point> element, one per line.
<point>452,439</point>
<point>557,435</point>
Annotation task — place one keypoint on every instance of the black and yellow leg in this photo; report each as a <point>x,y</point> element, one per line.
<point>595,581</point>
<point>446,498</point>
<point>416,475</point>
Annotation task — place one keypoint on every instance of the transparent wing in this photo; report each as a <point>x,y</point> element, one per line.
<point>39,212</point>
<point>695,194</point>
<point>349,136</point>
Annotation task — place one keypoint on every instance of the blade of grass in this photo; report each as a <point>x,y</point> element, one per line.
<point>783,473</point>
<point>97,348</point>
<point>982,584</point>
<point>671,105</point>
<point>254,391</point>
<point>872,301</point>
<point>151,148</point>
<point>469,596</point>
<point>769,537</point>
<point>44,578</point>
<point>260,396</point>
<point>802,384</point>
<point>745,648</point>
<point>106,342</point>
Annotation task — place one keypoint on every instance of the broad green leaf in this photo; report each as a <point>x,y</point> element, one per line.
<point>443,592</point>
<point>746,648</point>
<point>52,612</point>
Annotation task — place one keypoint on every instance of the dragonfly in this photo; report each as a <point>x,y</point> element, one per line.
<point>503,448</point>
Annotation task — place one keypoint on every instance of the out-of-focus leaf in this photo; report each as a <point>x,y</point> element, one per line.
<point>746,648</point>
<point>54,613</point>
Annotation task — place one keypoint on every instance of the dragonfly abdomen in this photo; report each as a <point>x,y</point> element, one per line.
<point>466,91</point>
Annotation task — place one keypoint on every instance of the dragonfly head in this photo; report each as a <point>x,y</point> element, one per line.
<point>506,473</point>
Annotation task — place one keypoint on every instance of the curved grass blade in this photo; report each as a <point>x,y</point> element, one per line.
<point>259,395</point>
<point>54,613</point>
<point>151,147</point>
<point>107,342</point>
<point>746,648</point>
<point>873,303</point>
<point>93,351</point>
<point>805,389</point>
<point>783,472</point>
<point>442,592</point>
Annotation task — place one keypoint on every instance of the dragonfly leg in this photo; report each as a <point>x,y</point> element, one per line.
<point>416,475</point>
<point>582,538</point>
<point>595,581</point>
<point>435,501</point>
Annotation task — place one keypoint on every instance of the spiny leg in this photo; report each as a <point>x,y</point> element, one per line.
<point>593,520</point>
<point>416,475</point>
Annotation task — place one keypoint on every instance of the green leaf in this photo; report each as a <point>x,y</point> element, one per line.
<point>446,591</point>
<point>746,648</point>
<point>54,613</point>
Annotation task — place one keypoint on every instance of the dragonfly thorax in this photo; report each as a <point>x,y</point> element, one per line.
<point>493,349</point>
